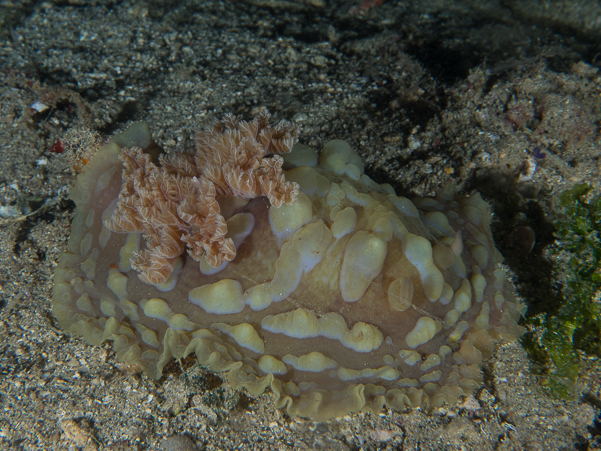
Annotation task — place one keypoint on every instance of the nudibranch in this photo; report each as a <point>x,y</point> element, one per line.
<point>283,271</point>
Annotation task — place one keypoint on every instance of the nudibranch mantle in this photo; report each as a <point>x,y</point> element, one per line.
<point>330,290</point>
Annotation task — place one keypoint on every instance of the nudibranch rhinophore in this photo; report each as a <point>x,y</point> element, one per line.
<point>284,271</point>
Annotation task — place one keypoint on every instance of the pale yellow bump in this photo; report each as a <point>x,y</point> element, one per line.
<point>443,351</point>
<point>297,256</point>
<point>418,251</point>
<point>434,376</point>
<point>205,333</point>
<point>333,156</point>
<point>471,356</point>
<point>64,272</point>
<point>453,378</point>
<point>438,221</point>
<point>292,389</point>
<point>386,373</point>
<point>383,227</point>
<point>89,268</point>
<point>180,321</point>
<point>129,309</point>
<point>84,303</point>
<point>299,323</point>
<point>337,154</point>
<point>258,297</point>
<point>400,294</point>
<point>443,256</point>
<point>244,334</point>
<point>344,223</point>
<point>457,244</point>
<point>406,382</point>
<point>447,294</point>
<point>498,257</point>
<point>104,179</point>
<point>239,226</point>
<point>410,357</point>
<point>425,329</point>
<point>346,374</point>
<point>362,338</point>
<point>332,199</point>
<point>388,359</point>
<point>323,185</point>
<point>117,283</point>
<point>363,260</point>
<point>478,285</point>
<point>315,362</point>
<point>149,355</point>
<point>459,267</point>
<point>451,318</point>
<point>499,279</point>
<point>332,325</point>
<point>431,361</point>
<point>336,190</point>
<point>355,196</point>
<point>463,297</point>
<point>404,205</point>
<point>107,307</point>
<point>460,329</point>
<point>222,297</point>
<point>484,316</point>
<point>387,188</point>
<point>269,364</point>
<point>85,245</point>
<point>132,244</point>
<point>156,308</point>
<point>306,177</point>
<point>481,255</point>
<point>476,201</point>
<point>286,219</point>
<point>103,237</point>
<point>84,195</point>
<point>353,172</point>
<point>300,155</point>
<point>77,284</point>
<point>90,218</point>
<point>335,210</point>
<point>150,338</point>
<point>499,300</point>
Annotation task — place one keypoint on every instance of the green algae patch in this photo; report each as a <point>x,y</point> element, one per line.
<point>570,332</point>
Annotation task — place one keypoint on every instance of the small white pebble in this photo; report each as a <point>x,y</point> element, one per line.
<point>39,107</point>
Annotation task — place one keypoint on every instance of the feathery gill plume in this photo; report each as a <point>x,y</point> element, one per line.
<point>175,203</point>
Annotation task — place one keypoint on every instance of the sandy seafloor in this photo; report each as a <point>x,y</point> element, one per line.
<point>427,91</point>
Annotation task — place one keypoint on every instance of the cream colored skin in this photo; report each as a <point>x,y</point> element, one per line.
<point>347,300</point>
